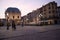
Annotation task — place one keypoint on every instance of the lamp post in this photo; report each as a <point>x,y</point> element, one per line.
<point>7,17</point>
<point>7,22</point>
<point>40,15</point>
<point>27,20</point>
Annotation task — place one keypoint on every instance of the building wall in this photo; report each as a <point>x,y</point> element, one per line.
<point>10,16</point>
<point>58,11</point>
<point>48,12</point>
<point>13,16</point>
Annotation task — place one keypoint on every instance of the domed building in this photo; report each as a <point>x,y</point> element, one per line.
<point>12,13</point>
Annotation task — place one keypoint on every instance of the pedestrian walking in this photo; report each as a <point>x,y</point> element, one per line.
<point>8,24</point>
<point>13,25</point>
<point>22,24</point>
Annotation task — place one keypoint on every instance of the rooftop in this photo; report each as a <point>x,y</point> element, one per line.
<point>13,10</point>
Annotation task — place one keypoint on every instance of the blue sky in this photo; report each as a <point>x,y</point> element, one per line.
<point>25,6</point>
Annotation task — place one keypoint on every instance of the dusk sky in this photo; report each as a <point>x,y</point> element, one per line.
<point>25,6</point>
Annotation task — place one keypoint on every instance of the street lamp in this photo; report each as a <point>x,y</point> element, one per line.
<point>7,22</point>
<point>27,20</point>
<point>7,16</point>
<point>40,15</point>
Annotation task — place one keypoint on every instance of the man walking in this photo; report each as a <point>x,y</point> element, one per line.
<point>13,25</point>
<point>8,24</point>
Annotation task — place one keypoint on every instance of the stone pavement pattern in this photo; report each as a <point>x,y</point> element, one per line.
<point>31,33</point>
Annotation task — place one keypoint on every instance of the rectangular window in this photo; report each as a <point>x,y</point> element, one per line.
<point>53,7</point>
<point>49,12</point>
<point>45,9</point>
<point>44,13</point>
<point>49,8</point>
<point>53,11</point>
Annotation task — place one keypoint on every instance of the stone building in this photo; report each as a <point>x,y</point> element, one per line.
<point>12,13</point>
<point>47,14</point>
<point>24,19</point>
<point>32,17</point>
<point>58,11</point>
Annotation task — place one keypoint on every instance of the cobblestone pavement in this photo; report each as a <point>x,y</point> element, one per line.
<point>51,32</point>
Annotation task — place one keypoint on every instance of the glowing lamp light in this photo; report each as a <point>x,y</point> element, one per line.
<point>7,14</point>
<point>40,15</point>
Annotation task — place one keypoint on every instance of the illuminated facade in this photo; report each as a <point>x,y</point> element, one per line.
<point>13,14</point>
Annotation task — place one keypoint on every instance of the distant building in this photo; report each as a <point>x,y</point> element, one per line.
<point>32,17</point>
<point>24,19</point>
<point>2,22</point>
<point>58,11</point>
<point>47,14</point>
<point>12,13</point>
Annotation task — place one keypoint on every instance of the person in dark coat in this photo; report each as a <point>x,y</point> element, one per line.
<point>8,24</point>
<point>22,24</point>
<point>13,25</point>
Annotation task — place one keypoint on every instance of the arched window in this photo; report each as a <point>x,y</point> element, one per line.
<point>13,17</point>
<point>17,16</point>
